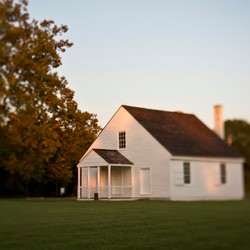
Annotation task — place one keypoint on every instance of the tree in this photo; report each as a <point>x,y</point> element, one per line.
<point>38,114</point>
<point>239,133</point>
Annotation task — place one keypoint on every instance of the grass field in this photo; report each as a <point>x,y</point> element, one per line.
<point>63,224</point>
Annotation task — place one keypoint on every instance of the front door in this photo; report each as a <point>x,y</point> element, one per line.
<point>144,181</point>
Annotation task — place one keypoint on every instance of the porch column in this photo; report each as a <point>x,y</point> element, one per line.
<point>79,183</point>
<point>109,181</point>
<point>88,182</point>
<point>98,181</point>
<point>132,181</point>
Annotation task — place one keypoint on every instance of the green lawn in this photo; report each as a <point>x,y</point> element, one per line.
<point>62,224</point>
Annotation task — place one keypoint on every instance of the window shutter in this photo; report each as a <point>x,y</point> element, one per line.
<point>178,178</point>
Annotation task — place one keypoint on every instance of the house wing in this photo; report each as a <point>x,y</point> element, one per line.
<point>182,134</point>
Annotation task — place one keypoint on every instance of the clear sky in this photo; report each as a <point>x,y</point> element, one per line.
<point>174,55</point>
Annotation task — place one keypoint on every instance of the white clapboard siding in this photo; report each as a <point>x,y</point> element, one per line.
<point>178,178</point>
<point>205,180</point>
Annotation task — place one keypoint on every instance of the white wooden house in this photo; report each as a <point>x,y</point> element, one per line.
<point>151,154</point>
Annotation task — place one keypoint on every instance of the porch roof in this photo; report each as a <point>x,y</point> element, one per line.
<point>112,156</point>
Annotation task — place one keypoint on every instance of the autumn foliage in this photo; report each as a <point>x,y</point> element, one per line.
<point>42,132</point>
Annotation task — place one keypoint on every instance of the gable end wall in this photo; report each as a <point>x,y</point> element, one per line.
<point>142,150</point>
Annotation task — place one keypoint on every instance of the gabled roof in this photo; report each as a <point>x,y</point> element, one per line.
<point>182,134</point>
<point>112,156</point>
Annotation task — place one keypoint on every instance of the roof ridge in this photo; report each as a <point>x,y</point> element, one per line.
<point>158,110</point>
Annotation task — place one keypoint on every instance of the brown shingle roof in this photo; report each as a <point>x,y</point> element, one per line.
<point>182,134</point>
<point>112,156</point>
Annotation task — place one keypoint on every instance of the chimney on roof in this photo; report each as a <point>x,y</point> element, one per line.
<point>218,121</point>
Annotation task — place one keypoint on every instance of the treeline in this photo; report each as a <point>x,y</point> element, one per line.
<point>43,134</point>
<point>238,132</point>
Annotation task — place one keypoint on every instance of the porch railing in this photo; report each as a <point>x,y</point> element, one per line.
<point>116,192</point>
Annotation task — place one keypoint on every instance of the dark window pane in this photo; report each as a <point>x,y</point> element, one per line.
<point>223,178</point>
<point>122,140</point>
<point>186,173</point>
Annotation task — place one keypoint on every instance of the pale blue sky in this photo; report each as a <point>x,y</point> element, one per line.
<point>171,55</point>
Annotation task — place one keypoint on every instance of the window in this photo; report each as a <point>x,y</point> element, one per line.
<point>223,177</point>
<point>186,173</point>
<point>122,139</point>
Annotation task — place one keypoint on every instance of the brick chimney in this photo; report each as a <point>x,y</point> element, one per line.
<point>218,121</point>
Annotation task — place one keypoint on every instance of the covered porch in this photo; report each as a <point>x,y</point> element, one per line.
<point>109,176</point>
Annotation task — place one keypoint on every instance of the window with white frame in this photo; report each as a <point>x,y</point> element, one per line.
<point>186,173</point>
<point>122,140</point>
<point>223,174</point>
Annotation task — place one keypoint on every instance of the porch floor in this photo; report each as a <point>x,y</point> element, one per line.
<point>107,199</point>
